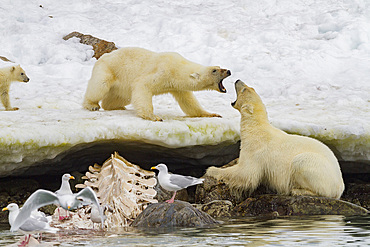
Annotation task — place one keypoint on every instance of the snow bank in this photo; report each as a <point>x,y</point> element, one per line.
<point>309,61</point>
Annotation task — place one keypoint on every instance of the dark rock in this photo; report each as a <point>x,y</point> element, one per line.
<point>177,214</point>
<point>265,205</point>
<point>100,46</point>
<point>48,209</point>
<point>4,201</point>
<point>19,187</point>
<point>164,195</point>
<point>212,189</point>
<point>358,194</point>
<point>15,191</point>
<point>217,208</point>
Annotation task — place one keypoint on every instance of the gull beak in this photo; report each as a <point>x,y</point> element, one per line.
<point>71,177</point>
<point>153,168</point>
<point>4,209</point>
<point>69,207</point>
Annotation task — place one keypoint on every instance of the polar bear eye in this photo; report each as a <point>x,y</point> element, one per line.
<point>214,71</point>
<point>22,73</point>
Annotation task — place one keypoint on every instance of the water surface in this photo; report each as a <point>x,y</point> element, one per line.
<point>282,231</point>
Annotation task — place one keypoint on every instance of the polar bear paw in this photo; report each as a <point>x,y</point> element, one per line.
<point>151,117</point>
<point>92,107</point>
<point>12,109</point>
<point>302,192</point>
<point>214,172</point>
<point>211,115</point>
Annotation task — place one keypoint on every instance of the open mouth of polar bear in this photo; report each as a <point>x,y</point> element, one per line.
<point>221,87</point>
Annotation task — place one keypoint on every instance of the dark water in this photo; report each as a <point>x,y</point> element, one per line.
<point>284,231</point>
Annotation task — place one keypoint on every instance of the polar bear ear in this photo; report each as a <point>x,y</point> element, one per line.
<point>248,108</point>
<point>12,69</point>
<point>195,76</point>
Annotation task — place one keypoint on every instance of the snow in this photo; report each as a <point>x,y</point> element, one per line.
<point>308,60</point>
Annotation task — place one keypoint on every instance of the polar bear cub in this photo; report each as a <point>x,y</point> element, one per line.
<point>135,75</point>
<point>289,164</point>
<point>7,76</point>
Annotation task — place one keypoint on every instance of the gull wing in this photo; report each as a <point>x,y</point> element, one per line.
<point>184,181</point>
<point>37,200</point>
<point>89,195</point>
<point>33,225</point>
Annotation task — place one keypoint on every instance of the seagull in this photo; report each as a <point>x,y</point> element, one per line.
<point>174,182</point>
<point>42,198</point>
<point>95,217</point>
<point>36,222</point>
<point>65,189</point>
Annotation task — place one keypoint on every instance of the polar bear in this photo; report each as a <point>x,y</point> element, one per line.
<point>134,75</point>
<point>8,75</point>
<point>289,164</point>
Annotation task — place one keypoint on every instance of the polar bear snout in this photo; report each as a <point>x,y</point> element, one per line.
<point>239,85</point>
<point>241,89</point>
<point>224,73</point>
<point>26,79</point>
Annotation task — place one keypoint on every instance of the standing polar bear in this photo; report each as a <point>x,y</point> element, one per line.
<point>289,164</point>
<point>7,76</point>
<point>135,75</point>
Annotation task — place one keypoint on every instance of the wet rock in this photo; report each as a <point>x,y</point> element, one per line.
<point>217,208</point>
<point>100,46</point>
<point>212,189</point>
<point>164,195</point>
<point>177,214</point>
<point>266,205</point>
<point>358,194</point>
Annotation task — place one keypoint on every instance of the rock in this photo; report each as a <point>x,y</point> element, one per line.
<point>267,205</point>
<point>177,214</point>
<point>48,209</point>
<point>21,187</point>
<point>5,59</point>
<point>358,194</point>
<point>213,190</point>
<point>100,46</point>
<point>17,191</point>
<point>217,208</point>
<point>164,195</point>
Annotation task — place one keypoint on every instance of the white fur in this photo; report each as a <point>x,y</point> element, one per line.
<point>134,75</point>
<point>8,75</point>
<point>290,164</point>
